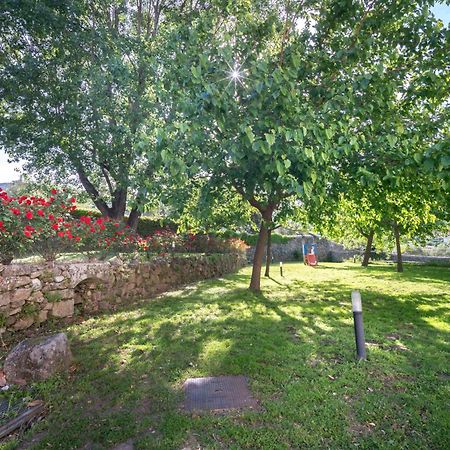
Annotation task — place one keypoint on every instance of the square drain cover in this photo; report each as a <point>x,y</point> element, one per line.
<point>210,393</point>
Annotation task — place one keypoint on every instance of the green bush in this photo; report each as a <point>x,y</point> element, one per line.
<point>146,225</point>
<point>250,239</point>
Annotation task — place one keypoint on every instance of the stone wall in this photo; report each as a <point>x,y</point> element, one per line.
<point>32,294</point>
<point>424,259</point>
<point>292,250</point>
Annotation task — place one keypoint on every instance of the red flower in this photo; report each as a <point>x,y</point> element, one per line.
<point>29,215</point>
<point>40,213</point>
<point>77,238</point>
<point>85,219</point>
<point>15,211</point>
<point>51,217</point>
<point>73,200</point>
<point>55,226</point>
<point>27,233</point>
<point>60,233</point>
<point>54,191</point>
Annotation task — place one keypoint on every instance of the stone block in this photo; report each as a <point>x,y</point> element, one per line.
<point>63,308</point>
<point>36,284</point>
<point>22,281</point>
<point>5,298</point>
<point>21,294</point>
<point>42,317</point>
<point>23,323</point>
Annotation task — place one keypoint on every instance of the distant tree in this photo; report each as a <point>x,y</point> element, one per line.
<point>271,103</point>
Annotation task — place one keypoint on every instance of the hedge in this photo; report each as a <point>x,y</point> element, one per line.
<point>145,227</point>
<point>250,239</point>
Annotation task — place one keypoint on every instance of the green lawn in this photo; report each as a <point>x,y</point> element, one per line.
<point>295,343</point>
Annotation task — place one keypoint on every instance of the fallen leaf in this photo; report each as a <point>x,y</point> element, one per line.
<point>35,403</point>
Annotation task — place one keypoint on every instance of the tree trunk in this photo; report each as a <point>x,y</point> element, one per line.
<point>119,204</point>
<point>399,250</point>
<point>133,218</point>
<point>368,250</point>
<point>268,252</point>
<point>255,282</point>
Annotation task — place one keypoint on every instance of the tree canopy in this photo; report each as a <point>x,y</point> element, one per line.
<point>222,107</point>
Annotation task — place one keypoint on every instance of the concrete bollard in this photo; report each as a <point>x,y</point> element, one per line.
<point>358,324</point>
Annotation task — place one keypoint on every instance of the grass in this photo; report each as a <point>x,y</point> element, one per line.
<point>295,343</point>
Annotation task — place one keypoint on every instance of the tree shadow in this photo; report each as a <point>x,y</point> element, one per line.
<point>295,344</point>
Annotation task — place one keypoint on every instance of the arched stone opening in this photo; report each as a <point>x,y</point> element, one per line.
<point>88,294</point>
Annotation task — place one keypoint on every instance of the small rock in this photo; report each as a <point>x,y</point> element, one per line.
<point>36,284</point>
<point>37,359</point>
<point>59,279</point>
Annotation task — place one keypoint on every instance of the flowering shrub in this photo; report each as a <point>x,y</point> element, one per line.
<point>209,244</point>
<point>31,223</point>
<point>104,235</point>
<point>164,241</point>
<point>45,226</point>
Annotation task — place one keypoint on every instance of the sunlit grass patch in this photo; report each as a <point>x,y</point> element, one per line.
<point>294,342</point>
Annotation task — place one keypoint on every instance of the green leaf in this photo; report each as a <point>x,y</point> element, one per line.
<point>250,135</point>
<point>309,152</point>
<point>287,163</point>
<point>280,167</point>
<point>270,138</point>
<point>165,155</point>
<point>308,188</point>
<point>391,139</point>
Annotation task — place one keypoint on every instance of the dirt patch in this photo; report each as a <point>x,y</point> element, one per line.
<point>397,382</point>
<point>32,441</point>
<point>191,444</point>
<point>293,333</point>
<point>355,427</point>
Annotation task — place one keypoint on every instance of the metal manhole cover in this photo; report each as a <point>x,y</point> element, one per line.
<point>211,393</point>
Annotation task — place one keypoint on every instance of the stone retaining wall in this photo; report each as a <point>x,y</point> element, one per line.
<point>424,259</point>
<point>32,294</point>
<point>292,250</point>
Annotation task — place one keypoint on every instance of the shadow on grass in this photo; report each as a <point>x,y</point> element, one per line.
<point>295,343</point>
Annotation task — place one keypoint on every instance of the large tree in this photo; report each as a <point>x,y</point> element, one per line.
<point>275,93</point>
<point>81,92</point>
